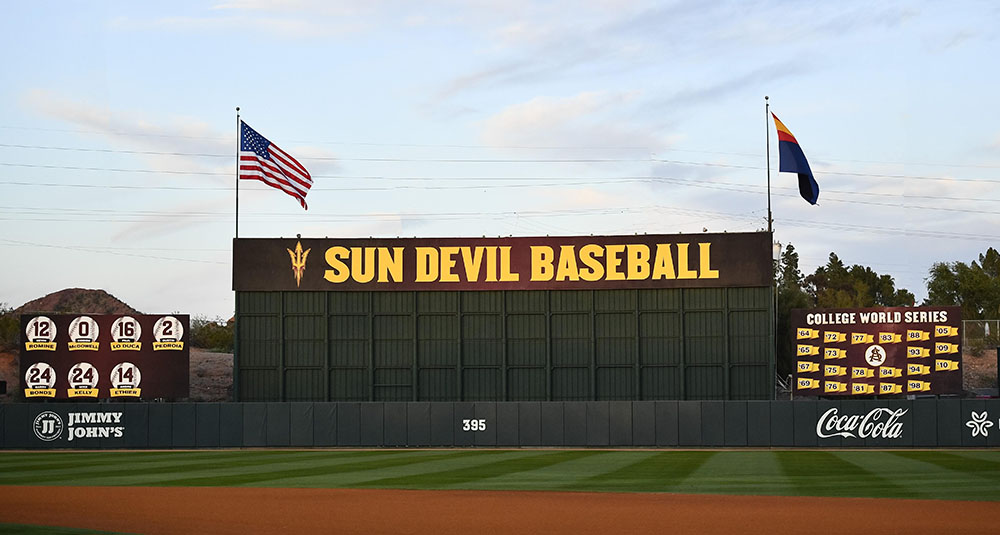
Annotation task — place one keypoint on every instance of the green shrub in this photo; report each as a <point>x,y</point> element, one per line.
<point>10,328</point>
<point>211,334</point>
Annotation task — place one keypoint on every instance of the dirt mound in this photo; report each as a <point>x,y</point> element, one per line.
<point>77,301</point>
<point>211,376</point>
<point>980,371</point>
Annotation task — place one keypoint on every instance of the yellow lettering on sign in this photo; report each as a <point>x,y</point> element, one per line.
<point>448,263</point>
<point>638,262</point>
<point>472,259</point>
<point>338,272</point>
<point>542,258</point>
<point>589,255</point>
<point>506,275</point>
<point>390,265</point>
<point>663,264</point>
<point>614,262</point>
<point>427,264</point>
<point>705,255</point>
<point>683,266</point>
<point>567,269</point>
<point>491,264</point>
<point>359,263</point>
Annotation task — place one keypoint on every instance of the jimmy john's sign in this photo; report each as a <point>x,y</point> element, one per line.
<point>577,262</point>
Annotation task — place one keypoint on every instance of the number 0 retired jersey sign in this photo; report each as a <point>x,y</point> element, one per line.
<point>105,356</point>
<point>877,351</point>
<point>575,262</point>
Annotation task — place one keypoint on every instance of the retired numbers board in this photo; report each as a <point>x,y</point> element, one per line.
<point>82,356</point>
<point>877,351</point>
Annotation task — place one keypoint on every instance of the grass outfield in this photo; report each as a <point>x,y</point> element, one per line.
<point>936,474</point>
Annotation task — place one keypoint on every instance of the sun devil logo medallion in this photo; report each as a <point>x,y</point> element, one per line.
<point>298,257</point>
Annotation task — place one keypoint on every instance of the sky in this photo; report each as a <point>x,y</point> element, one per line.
<point>486,118</point>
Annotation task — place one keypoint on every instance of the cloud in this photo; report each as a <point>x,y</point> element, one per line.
<point>585,120</point>
<point>725,86</point>
<point>177,144</point>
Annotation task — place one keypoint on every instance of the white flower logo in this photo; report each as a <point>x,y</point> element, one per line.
<point>979,424</point>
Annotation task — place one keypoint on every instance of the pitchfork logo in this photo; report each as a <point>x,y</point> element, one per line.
<point>298,262</point>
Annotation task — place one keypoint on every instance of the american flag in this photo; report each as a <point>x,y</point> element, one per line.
<point>262,160</point>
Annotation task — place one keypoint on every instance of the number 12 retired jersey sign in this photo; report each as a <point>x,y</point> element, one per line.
<point>105,356</point>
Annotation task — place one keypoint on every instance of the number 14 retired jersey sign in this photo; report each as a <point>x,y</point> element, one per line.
<point>105,356</point>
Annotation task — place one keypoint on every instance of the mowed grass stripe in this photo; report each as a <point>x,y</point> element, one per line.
<point>965,475</point>
<point>463,477</point>
<point>565,475</point>
<point>959,462</point>
<point>54,460</point>
<point>924,480</point>
<point>461,460</point>
<point>661,472</point>
<point>227,470</point>
<point>738,472</point>
<point>379,460</point>
<point>823,473</point>
<point>116,466</point>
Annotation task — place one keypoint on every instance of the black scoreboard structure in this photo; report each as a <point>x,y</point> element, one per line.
<point>890,351</point>
<point>120,357</point>
<point>578,318</point>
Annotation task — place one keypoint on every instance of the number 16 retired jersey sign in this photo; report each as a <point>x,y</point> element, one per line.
<point>105,356</point>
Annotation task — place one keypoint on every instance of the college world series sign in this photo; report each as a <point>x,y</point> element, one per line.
<point>575,262</point>
<point>877,351</point>
<point>78,356</point>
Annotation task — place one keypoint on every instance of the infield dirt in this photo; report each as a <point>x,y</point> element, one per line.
<point>156,510</point>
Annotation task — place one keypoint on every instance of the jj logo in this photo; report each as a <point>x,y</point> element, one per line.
<point>48,426</point>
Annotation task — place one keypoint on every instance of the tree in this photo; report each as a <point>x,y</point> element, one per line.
<point>10,328</point>
<point>837,286</point>
<point>975,287</point>
<point>788,282</point>
<point>834,285</point>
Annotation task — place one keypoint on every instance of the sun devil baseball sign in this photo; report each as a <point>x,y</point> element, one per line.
<point>877,351</point>
<point>576,262</point>
<point>105,356</point>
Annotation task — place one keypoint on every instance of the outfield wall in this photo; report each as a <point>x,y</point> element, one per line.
<point>910,423</point>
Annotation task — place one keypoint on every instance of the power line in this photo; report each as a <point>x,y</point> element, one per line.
<point>426,145</point>
<point>107,251</point>
<point>452,160</point>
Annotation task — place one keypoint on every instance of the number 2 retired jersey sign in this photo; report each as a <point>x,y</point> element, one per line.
<point>105,356</point>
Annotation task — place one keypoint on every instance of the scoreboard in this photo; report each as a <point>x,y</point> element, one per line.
<point>79,356</point>
<point>877,351</point>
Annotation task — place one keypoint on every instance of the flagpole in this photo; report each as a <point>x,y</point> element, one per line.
<point>767,135</point>
<point>773,364</point>
<point>236,304</point>
<point>237,171</point>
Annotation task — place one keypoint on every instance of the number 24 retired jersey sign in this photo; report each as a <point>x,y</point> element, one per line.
<point>105,356</point>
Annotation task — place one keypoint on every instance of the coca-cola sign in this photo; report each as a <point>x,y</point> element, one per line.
<point>878,423</point>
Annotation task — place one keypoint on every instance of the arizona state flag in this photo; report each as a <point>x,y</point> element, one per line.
<point>794,161</point>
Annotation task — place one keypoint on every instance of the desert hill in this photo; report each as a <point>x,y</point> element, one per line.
<point>77,301</point>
